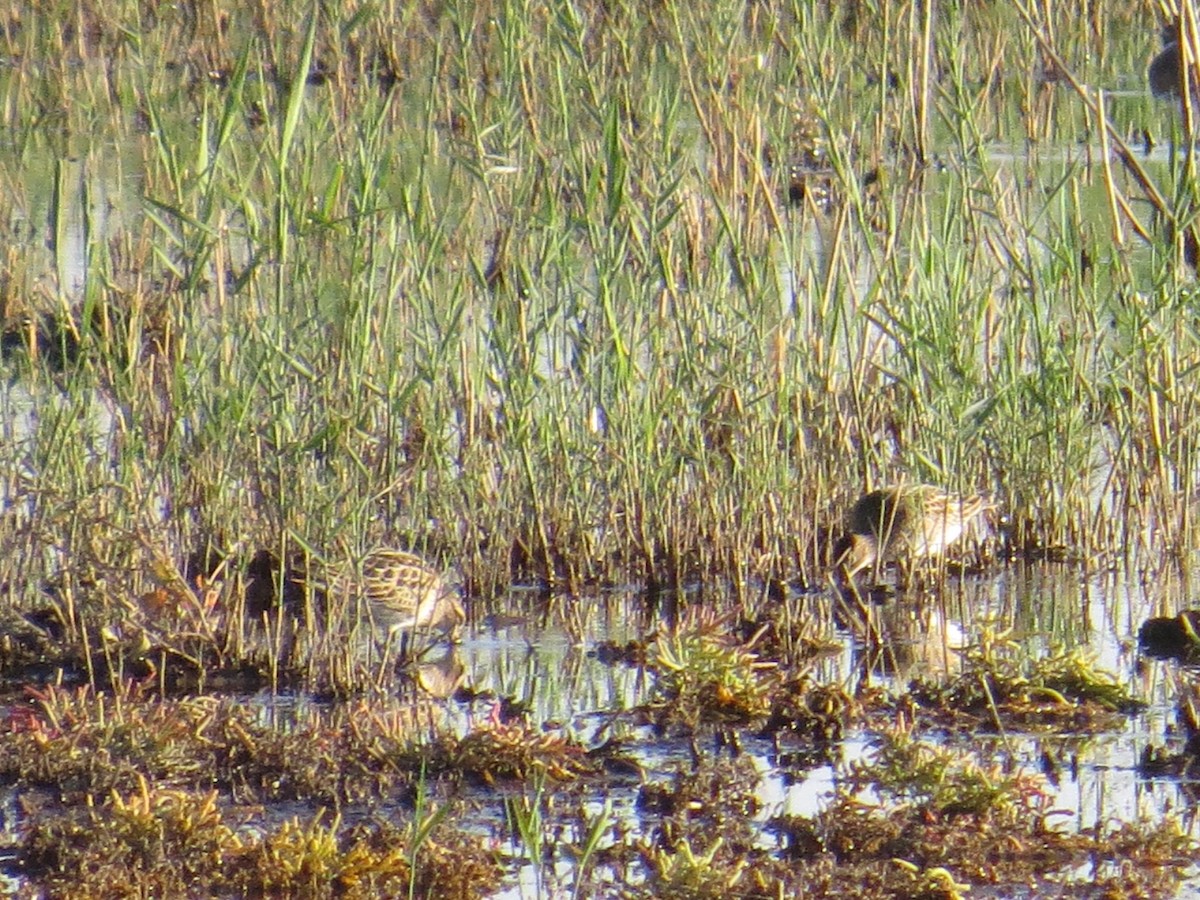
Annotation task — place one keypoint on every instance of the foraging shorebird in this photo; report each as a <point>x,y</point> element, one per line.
<point>905,523</point>
<point>404,593</point>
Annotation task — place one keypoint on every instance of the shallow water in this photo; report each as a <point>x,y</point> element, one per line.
<point>1092,777</point>
<point>543,655</point>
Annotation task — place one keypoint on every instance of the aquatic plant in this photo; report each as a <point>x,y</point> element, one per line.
<point>601,295</point>
<point>945,782</point>
<point>572,343</point>
<point>171,843</point>
<point>703,676</point>
<point>82,744</point>
<point>1000,685</point>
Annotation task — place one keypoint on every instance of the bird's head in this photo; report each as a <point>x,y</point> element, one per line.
<point>854,552</point>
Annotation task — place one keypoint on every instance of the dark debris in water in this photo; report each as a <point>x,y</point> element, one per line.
<point>1172,637</point>
<point>1182,763</point>
<point>630,653</point>
<point>817,711</point>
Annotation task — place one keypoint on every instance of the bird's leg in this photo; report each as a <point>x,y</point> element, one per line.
<point>405,637</point>
<point>386,658</point>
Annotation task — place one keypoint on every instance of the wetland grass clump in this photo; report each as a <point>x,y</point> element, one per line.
<point>318,282</point>
<point>370,859</point>
<point>705,676</point>
<point>1000,688</point>
<point>79,744</point>
<point>916,820</point>
<point>704,843</point>
<point>920,819</point>
<point>154,841</point>
<point>617,355</point>
<point>506,752</point>
<point>613,354</point>
<point>170,843</point>
<point>171,772</point>
<point>944,783</point>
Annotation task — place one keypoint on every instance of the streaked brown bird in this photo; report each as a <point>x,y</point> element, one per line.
<point>404,593</point>
<point>905,523</point>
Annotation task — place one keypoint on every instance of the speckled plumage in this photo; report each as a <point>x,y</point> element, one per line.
<point>907,522</point>
<point>404,592</point>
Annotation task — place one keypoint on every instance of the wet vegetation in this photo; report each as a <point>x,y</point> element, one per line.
<point>625,305</point>
<point>1000,688</point>
<point>165,843</point>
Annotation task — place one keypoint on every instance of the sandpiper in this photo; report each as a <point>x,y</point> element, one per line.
<point>905,523</point>
<point>404,593</point>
